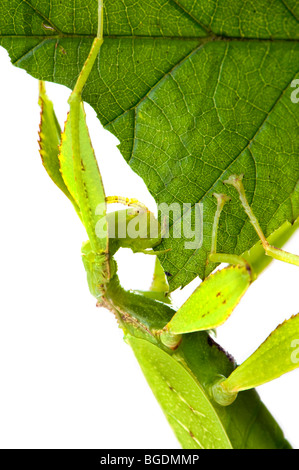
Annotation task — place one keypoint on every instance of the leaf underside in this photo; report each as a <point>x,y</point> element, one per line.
<point>194,91</point>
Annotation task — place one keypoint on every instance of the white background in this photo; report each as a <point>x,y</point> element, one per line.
<point>68,380</point>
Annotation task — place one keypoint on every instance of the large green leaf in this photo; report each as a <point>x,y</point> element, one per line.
<point>194,90</point>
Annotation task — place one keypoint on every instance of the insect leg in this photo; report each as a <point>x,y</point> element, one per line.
<point>277,253</point>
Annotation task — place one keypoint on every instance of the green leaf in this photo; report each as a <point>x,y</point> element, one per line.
<point>49,140</point>
<point>89,193</point>
<point>182,399</point>
<point>195,91</point>
<point>277,355</point>
<point>212,302</point>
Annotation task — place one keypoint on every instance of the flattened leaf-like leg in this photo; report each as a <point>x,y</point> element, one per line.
<point>212,302</point>
<point>274,357</point>
<point>49,141</point>
<point>159,283</point>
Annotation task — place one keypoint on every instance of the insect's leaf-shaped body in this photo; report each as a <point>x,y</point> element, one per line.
<point>212,302</point>
<point>273,358</point>
<point>184,402</point>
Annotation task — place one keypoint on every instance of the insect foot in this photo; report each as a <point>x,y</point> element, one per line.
<point>221,395</point>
